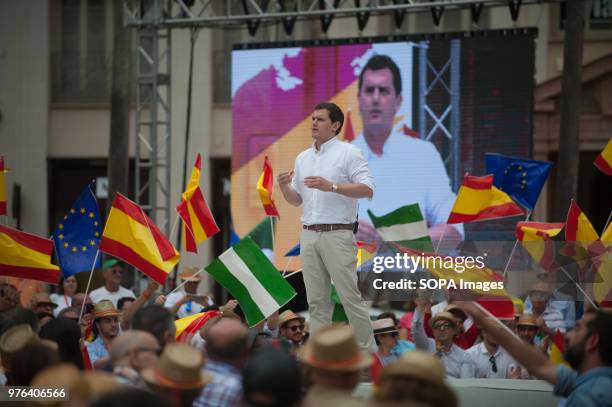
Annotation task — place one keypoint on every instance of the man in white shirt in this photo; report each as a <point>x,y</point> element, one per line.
<point>407,169</point>
<point>328,179</point>
<point>490,360</point>
<point>112,289</point>
<point>186,299</point>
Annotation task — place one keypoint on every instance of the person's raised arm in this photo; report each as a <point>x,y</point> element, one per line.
<point>137,304</point>
<point>529,356</point>
<point>284,182</point>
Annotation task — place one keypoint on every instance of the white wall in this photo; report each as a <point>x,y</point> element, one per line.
<point>24,95</point>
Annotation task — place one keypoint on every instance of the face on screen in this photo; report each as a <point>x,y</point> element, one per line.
<point>378,101</point>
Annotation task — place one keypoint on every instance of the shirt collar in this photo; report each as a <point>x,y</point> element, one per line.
<point>325,146</point>
<point>484,351</point>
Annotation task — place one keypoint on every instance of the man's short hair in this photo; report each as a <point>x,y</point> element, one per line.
<point>378,62</point>
<point>123,300</point>
<point>335,113</point>
<point>155,320</point>
<point>602,326</point>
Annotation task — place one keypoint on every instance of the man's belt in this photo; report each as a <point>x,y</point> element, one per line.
<point>328,227</point>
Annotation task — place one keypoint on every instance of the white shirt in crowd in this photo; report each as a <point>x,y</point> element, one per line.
<point>481,358</point>
<point>187,309</point>
<point>62,301</point>
<point>340,163</point>
<point>456,361</point>
<point>102,293</point>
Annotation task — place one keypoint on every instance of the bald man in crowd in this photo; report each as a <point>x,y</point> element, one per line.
<point>131,353</point>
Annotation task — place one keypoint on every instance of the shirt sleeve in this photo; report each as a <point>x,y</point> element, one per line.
<point>566,380</point>
<point>295,183</point>
<point>358,170</point>
<point>440,197</point>
<point>418,333</point>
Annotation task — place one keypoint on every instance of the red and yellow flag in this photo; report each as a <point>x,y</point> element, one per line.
<point>349,132</point>
<point>578,226</point>
<point>2,188</point>
<point>198,222</point>
<point>604,159</point>
<point>536,237</point>
<point>478,200</point>
<point>132,236</point>
<point>557,348</point>
<point>264,188</point>
<point>27,256</point>
<point>365,251</point>
<point>193,323</point>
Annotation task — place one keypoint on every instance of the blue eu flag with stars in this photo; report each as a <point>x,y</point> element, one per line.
<point>77,237</point>
<point>520,178</point>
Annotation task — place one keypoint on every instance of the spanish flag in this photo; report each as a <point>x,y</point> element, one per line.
<point>580,234</point>
<point>365,251</point>
<point>2,188</point>
<point>193,323</point>
<point>604,159</point>
<point>27,256</point>
<point>557,348</point>
<point>132,236</point>
<point>198,222</point>
<point>478,200</point>
<point>536,237</point>
<point>349,132</point>
<point>264,187</point>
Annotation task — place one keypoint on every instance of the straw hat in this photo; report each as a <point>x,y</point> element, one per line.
<point>527,320</point>
<point>42,299</point>
<point>60,376</point>
<point>180,367</point>
<point>334,348</point>
<point>189,273</point>
<point>445,315</point>
<point>15,339</point>
<point>287,316</point>
<point>105,308</point>
<point>383,326</point>
<point>416,364</point>
<point>456,311</point>
<point>90,385</point>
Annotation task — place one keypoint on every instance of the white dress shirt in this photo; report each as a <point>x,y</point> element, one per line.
<point>410,170</point>
<point>102,293</point>
<point>481,358</point>
<point>340,163</point>
<point>456,361</point>
<point>187,309</point>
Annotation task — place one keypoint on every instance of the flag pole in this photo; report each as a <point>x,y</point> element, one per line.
<point>290,274</point>
<point>579,287</point>
<point>173,230</point>
<point>93,266</point>
<point>272,230</point>
<point>185,282</point>
<point>441,237</point>
<point>514,247</point>
<point>287,265</point>
<point>607,222</point>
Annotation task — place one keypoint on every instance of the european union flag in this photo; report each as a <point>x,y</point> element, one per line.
<point>295,251</point>
<point>77,237</point>
<point>520,178</point>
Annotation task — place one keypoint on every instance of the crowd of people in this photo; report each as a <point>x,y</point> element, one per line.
<point>113,347</point>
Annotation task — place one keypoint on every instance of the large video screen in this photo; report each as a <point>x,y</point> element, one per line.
<point>422,110</point>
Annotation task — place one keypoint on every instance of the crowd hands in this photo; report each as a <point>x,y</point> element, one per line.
<point>121,351</point>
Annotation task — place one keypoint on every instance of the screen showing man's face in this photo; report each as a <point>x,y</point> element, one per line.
<point>378,101</point>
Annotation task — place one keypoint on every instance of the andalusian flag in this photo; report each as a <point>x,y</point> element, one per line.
<point>536,237</point>
<point>132,236</point>
<point>264,188</point>
<point>557,348</point>
<point>198,222</point>
<point>2,187</point>
<point>245,271</point>
<point>404,226</point>
<point>24,255</point>
<point>192,324</point>
<point>478,200</point>
<point>604,159</point>
<point>365,252</point>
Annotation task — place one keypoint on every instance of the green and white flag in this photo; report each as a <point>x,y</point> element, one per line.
<point>245,271</point>
<point>404,226</point>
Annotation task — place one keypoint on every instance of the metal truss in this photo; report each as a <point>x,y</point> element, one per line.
<point>152,121</point>
<point>218,13</point>
<point>446,120</point>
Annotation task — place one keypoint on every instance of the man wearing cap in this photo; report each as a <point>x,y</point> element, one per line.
<point>291,330</point>
<point>186,300</point>
<point>490,360</point>
<point>390,348</point>
<point>106,325</point>
<point>328,179</point>
<point>335,361</point>
<point>112,289</point>
<point>445,327</point>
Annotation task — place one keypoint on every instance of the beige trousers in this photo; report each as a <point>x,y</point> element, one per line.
<point>331,257</point>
